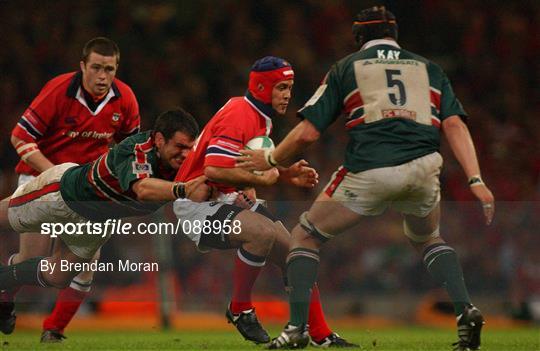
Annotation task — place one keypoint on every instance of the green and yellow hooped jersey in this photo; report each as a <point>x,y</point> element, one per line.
<point>393,101</point>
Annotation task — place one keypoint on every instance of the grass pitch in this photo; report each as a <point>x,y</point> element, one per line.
<point>413,338</point>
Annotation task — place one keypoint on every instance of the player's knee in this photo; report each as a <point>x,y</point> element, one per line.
<point>420,238</point>
<point>312,231</point>
<point>267,236</point>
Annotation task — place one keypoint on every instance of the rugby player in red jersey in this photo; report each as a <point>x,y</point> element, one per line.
<point>74,118</point>
<point>259,235</point>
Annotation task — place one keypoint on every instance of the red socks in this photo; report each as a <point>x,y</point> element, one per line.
<point>67,304</point>
<point>246,270</point>
<point>318,329</point>
<point>247,267</point>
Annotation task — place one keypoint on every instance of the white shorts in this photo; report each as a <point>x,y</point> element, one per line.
<point>39,201</point>
<point>410,188</point>
<point>217,215</point>
<point>24,178</point>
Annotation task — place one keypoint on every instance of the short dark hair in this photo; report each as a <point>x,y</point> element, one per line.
<point>177,120</point>
<point>374,23</point>
<point>102,46</point>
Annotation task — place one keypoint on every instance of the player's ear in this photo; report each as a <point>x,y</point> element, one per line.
<point>159,139</point>
<point>81,64</point>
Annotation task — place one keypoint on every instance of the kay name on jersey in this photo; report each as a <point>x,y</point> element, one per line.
<point>388,54</point>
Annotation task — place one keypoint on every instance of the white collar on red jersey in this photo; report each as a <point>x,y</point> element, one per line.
<point>374,42</point>
<point>80,97</point>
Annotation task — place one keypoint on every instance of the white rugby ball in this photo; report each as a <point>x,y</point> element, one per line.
<point>260,143</point>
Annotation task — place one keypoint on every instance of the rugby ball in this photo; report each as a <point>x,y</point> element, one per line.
<point>260,143</point>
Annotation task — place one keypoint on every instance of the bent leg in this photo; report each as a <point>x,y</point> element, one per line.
<point>254,243</point>
<point>41,271</point>
<point>325,219</point>
<point>69,300</point>
<point>440,259</point>
<point>32,245</point>
<point>318,327</point>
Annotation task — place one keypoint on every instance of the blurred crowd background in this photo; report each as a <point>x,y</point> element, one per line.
<point>197,54</point>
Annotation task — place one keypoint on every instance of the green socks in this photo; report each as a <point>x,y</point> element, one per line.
<point>24,273</point>
<point>442,263</point>
<point>302,266</point>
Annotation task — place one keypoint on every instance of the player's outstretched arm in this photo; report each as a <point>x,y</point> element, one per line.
<point>297,140</point>
<point>155,189</point>
<point>459,138</point>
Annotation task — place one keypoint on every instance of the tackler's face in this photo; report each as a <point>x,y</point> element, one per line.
<point>98,73</point>
<point>281,95</point>
<point>174,151</point>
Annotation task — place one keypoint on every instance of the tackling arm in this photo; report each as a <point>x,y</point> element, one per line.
<point>155,189</point>
<point>298,139</point>
<point>303,135</point>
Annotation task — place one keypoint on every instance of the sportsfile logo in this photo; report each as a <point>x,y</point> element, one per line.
<point>103,229</point>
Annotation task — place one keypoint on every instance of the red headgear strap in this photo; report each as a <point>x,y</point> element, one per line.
<point>262,83</point>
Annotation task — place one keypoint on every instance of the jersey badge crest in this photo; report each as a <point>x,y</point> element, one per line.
<point>115,118</point>
<point>141,168</point>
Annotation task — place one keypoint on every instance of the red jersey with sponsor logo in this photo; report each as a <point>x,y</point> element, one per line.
<point>238,121</point>
<point>68,128</point>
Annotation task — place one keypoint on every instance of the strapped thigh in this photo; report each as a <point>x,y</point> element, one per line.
<point>312,230</point>
<point>419,238</point>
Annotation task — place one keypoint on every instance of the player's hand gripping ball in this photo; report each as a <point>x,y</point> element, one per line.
<point>260,143</point>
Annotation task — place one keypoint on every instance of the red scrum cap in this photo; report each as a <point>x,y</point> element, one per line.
<point>265,74</point>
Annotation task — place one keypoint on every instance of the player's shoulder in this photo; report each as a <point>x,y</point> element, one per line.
<point>123,88</point>
<point>236,103</point>
<point>121,85</point>
<point>235,110</point>
<point>409,55</point>
<point>140,142</point>
<point>136,139</point>
<point>236,116</point>
<point>347,60</point>
<point>60,82</point>
<point>431,66</point>
<point>346,63</point>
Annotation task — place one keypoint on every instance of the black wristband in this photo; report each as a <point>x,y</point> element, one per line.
<point>179,190</point>
<point>270,160</point>
<point>475,180</point>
